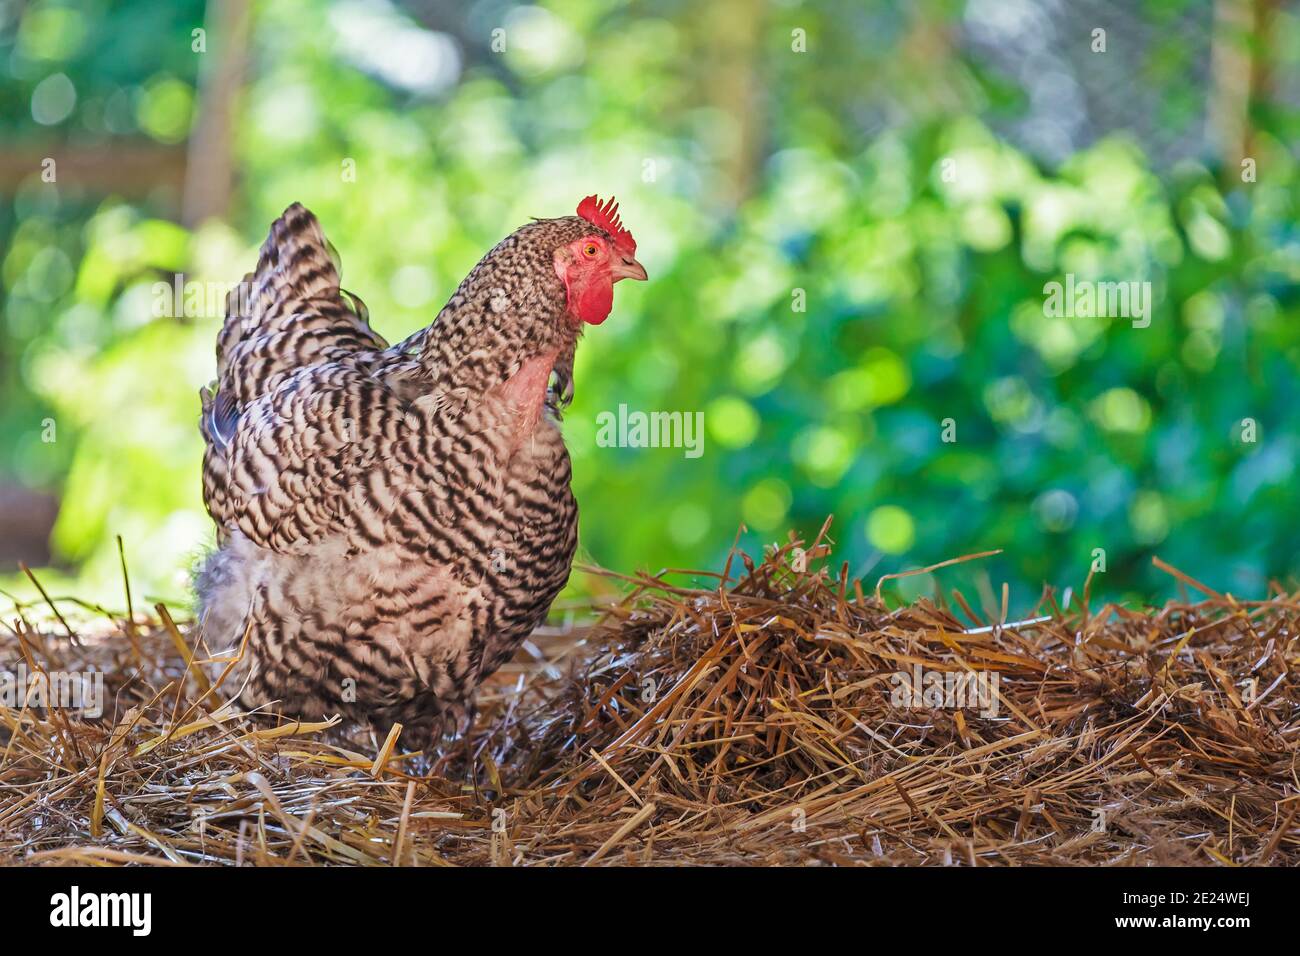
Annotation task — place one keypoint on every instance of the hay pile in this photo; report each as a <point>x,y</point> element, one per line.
<point>748,724</point>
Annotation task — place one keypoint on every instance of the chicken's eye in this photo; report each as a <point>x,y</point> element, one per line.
<point>590,250</point>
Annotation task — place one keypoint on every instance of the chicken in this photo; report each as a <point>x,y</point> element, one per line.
<point>392,521</point>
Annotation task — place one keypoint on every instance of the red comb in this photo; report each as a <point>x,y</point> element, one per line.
<point>606,217</point>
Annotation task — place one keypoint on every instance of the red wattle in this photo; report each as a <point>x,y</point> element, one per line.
<point>595,301</point>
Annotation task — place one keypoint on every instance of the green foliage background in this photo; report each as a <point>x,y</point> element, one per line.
<point>924,297</point>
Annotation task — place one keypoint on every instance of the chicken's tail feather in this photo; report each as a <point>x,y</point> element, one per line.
<point>289,312</point>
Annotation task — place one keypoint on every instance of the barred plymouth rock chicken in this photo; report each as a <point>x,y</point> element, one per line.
<point>394,520</point>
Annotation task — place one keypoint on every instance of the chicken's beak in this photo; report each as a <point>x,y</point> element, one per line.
<point>628,268</point>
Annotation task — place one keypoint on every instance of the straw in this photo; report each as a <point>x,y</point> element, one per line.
<point>754,722</point>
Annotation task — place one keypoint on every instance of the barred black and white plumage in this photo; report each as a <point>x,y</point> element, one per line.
<point>394,521</point>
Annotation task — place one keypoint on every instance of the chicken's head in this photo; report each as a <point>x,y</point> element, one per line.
<point>590,264</point>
